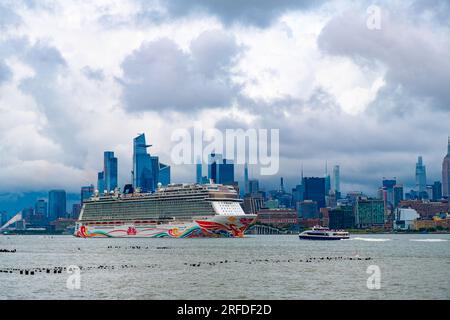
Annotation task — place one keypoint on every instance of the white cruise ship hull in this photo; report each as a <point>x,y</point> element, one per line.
<point>215,226</point>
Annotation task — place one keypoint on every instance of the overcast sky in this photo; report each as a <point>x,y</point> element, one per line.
<point>81,77</point>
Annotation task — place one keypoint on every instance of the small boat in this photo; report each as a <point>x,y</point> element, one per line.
<point>321,233</point>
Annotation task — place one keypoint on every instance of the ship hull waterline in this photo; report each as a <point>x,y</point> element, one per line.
<point>213,227</point>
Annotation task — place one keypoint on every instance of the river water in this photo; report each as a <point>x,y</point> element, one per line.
<point>256,267</point>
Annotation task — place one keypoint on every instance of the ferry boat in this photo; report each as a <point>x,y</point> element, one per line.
<point>321,233</point>
<point>175,211</point>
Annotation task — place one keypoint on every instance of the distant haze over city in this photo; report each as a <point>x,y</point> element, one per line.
<point>78,79</point>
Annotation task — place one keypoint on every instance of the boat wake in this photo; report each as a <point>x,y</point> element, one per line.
<point>428,240</point>
<point>371,239</point>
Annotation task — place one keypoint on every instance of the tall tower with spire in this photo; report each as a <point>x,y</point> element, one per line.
<point>421,176</point>
<point>446,172</point>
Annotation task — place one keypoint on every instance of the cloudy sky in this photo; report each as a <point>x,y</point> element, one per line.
<point>80,77</point>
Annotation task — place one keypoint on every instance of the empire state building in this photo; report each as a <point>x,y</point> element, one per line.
<point>446,173</point>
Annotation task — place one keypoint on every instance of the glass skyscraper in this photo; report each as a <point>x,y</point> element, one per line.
<point>421,176</point>
<point>199,172</point>
<point>110,170</point>
<point>446,173</point>
<point>314,189</point>
<point>220,170</point>
<point>147,170</point>
<point>56,204</point>
<point>101,182</point>
<point>337,181</point>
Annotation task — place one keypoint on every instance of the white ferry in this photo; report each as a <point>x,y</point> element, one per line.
<point>175,211</point>
<point>321,233</point>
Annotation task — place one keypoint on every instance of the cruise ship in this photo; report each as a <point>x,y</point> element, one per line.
<point>175,211</point>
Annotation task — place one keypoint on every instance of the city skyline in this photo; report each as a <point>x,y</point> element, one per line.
<point>392,190</point>
<point>68,95</point>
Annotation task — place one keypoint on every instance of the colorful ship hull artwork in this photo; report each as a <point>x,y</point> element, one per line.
<point>231,228</point>
<point>176,211</point>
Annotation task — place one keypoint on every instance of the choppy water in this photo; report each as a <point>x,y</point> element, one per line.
<point>257,267</point>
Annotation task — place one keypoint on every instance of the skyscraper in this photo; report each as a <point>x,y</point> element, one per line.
<point>246,182</point>
<point>147,170</point>
<point>421,177</point>
<point>56,204</point>
<point>220,170</point>
<point>327,180</point>
<point>388,185</point>
<point>437,190</point>
<point>199,172</point>
<point>398,194</point>
<point>41,208</point>
<point>337,180</point>
<point>101,182</point>
<point>110,170</point>
<point>314,189</point>
<point>86,193</point>
<point>446,173</point>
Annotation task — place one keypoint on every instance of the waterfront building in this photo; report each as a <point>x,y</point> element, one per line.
<point>421,176</point>
<point>337,181</point>
<point>437,190</point>
<point>56,204</point>
<point>282,219</point>
<point>434,223</point>
<point>369,213</point>
<point>308,209</point>
<point>398,194</point>
<point>253,202</point>
<point>404,218</point>
<point>426,209</point>
<point>110,171</point>
<point>314,190</point>
<point>446,173</point>
<point>147,170</point>
<point>86,193</point>
<point>341,218</point>
<point>101,182</point>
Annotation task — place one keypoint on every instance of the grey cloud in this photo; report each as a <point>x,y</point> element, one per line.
<point>93,74</point>
<point>8,17</point>
<point>5,72</point>
<point>160,76</point>
<point>252,12</point>
<point>415,54</point>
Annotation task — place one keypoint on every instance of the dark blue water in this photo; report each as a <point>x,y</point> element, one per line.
<point>256,267</point>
